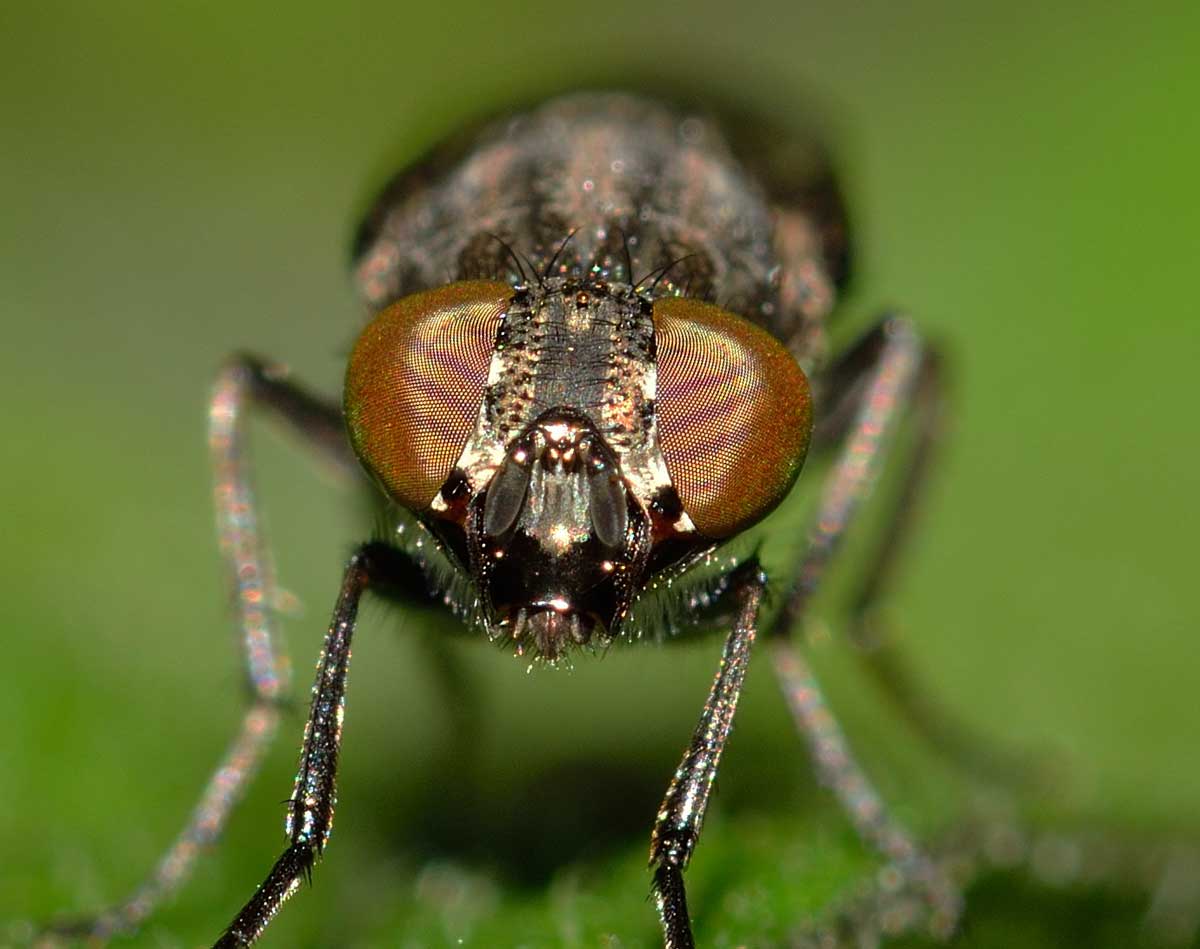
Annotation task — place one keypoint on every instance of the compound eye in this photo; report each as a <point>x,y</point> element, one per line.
<point>734,414</point>
<point>415,383</point>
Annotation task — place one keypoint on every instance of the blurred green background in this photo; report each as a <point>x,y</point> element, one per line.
<point>179,180</point>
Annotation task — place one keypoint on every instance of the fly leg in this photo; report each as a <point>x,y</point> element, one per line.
<point>244,383</point>
<point>677,827</point>
<point>310,809</point>
<point>884,372</point>
<point>920,395</point>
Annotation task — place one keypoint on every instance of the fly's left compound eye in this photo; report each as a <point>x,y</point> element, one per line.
<point>415,383</point>
<point>734,414</point>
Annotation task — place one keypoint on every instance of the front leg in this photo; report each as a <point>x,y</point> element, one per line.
<point>310,808</point>
<point>677,828</point>
<point>245,385</point>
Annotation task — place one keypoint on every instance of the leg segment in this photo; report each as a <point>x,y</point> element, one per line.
<point>837,770</point>
<point>310,809</point>
<point>920,394</point>
<point>882,375</point>
<point>244,383</point>
<point>681,815</point>
<point>869,390</point>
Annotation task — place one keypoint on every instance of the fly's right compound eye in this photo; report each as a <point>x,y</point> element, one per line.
<point>734,414</point>
<point>415,382</point>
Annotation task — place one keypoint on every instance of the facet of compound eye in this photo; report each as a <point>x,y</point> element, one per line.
<point>734,414</point>
<point>415,383</point>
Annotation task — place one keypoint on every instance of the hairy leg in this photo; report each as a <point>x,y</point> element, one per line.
<point>310,808</point>
<point>244,384</point>
<point>681,816</point>
<point>871,389</point>
<point>924,403</point>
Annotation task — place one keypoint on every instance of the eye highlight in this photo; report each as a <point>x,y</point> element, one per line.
<point>734,414</point>
<point>415,383</point>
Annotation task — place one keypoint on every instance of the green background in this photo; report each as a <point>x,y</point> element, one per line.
<point>179,180</point>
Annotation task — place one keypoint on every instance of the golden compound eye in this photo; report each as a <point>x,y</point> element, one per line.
<point>415,383</point>
<point>734,414</point>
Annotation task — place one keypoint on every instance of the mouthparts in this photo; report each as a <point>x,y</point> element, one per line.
<point>548,630</point>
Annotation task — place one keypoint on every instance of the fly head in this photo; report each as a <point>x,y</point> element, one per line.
<point>566,442</point>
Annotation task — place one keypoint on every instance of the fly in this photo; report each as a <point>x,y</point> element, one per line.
<point>596,354</point>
